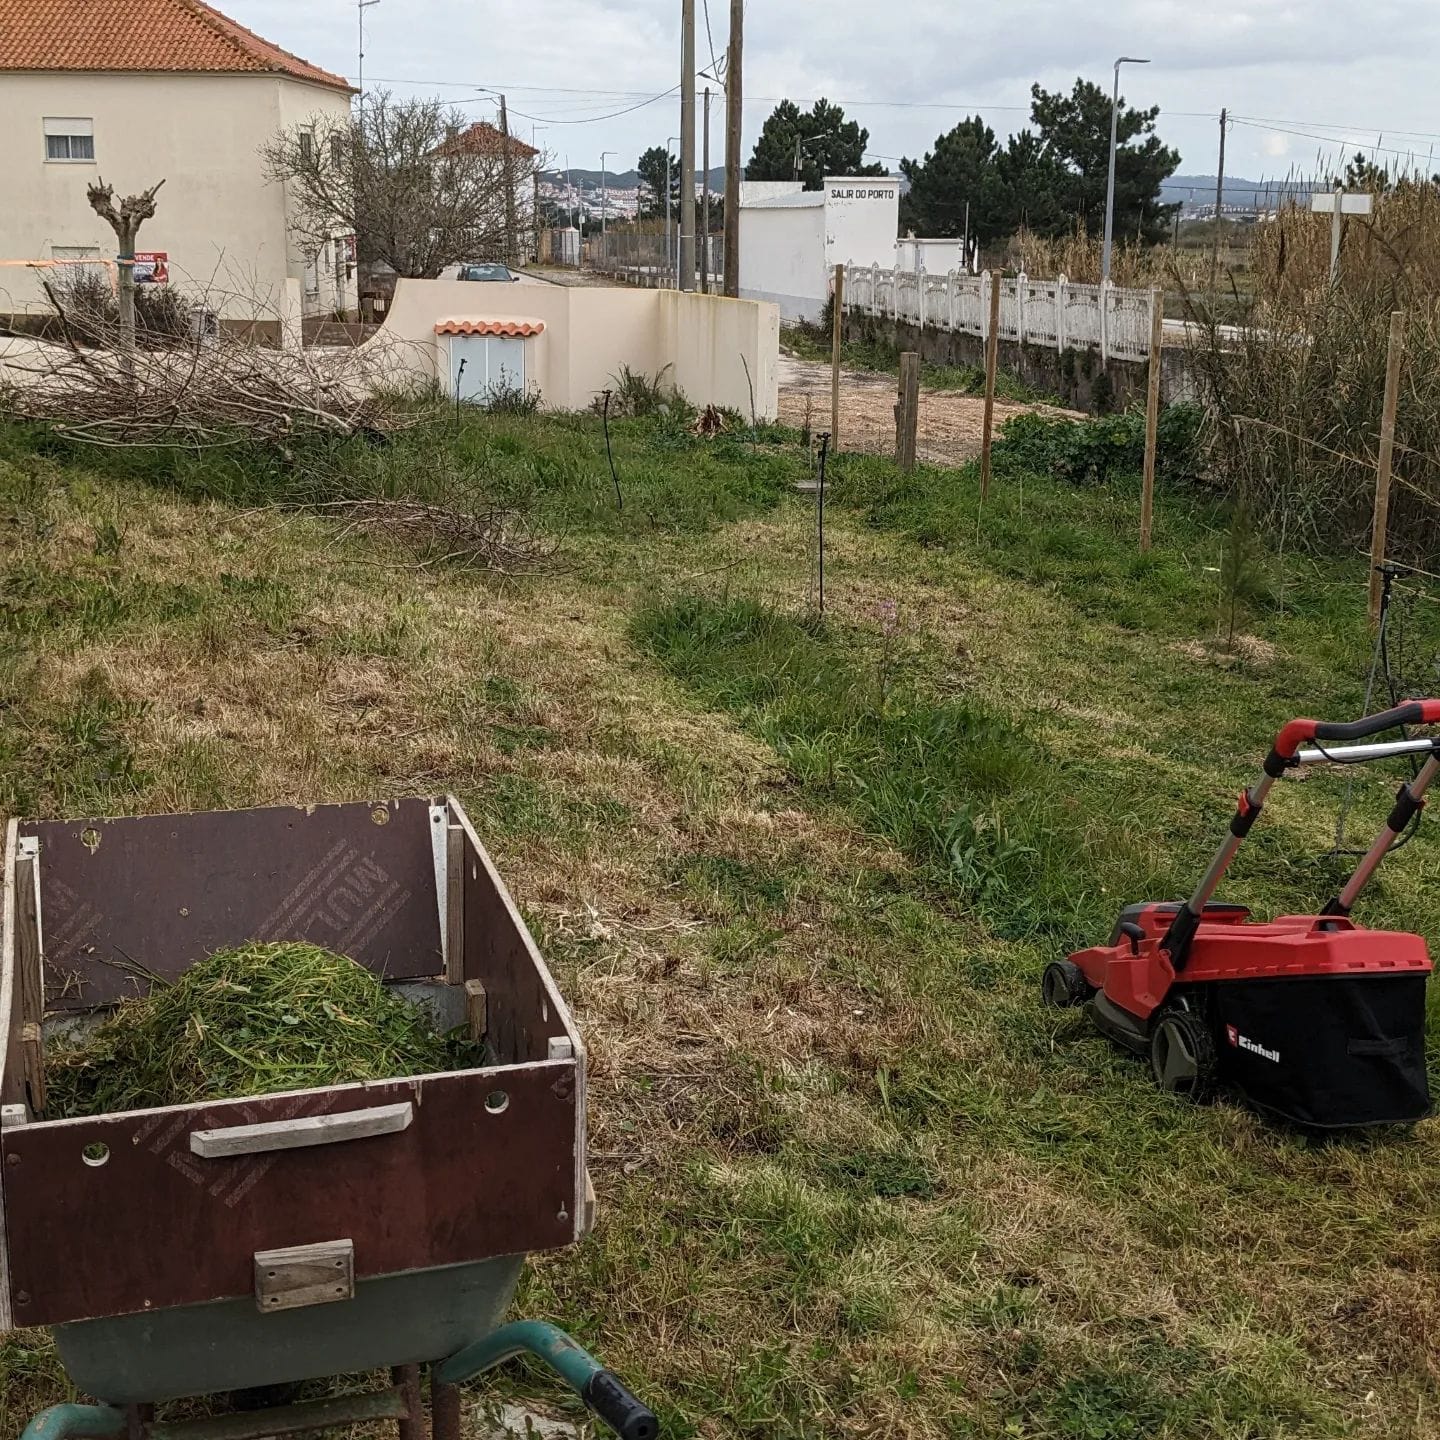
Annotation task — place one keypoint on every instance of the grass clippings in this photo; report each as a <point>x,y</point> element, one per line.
<point>249,1021</point>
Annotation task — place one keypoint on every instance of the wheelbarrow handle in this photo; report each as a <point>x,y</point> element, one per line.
<point>70,1422</point>
<point>601,1389</point>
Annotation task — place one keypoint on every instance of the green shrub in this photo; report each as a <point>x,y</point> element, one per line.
<point>1098,450</point>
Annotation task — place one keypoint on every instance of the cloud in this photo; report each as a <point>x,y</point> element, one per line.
<point>906,71</point>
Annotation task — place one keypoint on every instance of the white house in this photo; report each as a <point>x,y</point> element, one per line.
<point>791,238</point>
<point>139,90</point>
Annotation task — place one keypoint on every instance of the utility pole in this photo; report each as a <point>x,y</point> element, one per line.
<point>1219,202</point>
<point>507,164</point>
<point>705,203</point>
<point>687,144</point>
<point>734,120</point>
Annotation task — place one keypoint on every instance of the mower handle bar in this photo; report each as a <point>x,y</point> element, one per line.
<point>1381,750</point>
<point>1283,753</point>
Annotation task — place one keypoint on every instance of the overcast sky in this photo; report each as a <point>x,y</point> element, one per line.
<point>1323,74</point>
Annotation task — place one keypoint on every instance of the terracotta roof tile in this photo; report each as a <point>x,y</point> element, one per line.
<point>462,326</point>
<point>141,35</point>
<point>483,138</point>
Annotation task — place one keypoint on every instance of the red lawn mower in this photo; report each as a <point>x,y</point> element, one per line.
<point>1312,1017</point>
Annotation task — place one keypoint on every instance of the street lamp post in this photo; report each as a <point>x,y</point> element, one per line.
<point>603,195</point>
<point>361,7</point>
<point>603,155</point>
<point>805,143</point>
<point>1110,181</point>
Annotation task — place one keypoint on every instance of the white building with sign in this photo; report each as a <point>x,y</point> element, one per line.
<point>791,238</point>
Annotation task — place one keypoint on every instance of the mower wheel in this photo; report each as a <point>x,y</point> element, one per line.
<point>1064,985</point>
<point>1182,1054</point>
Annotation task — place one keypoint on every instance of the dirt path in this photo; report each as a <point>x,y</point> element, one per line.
<point>950,423</point>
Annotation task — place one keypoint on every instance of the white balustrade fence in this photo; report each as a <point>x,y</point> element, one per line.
<point>1052,313</point>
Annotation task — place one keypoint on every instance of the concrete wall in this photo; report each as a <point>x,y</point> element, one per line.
<point>782,258</point>
<point>590,333</point>
<point>221,223</point>
<point>725,350</point>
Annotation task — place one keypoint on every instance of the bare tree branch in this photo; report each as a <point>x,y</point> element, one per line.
<point>401,178</point>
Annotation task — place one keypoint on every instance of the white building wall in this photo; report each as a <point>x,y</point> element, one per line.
<point>937,257</point>
<point>222,225</point>
<point>862,220</point>
<point>782,258</point>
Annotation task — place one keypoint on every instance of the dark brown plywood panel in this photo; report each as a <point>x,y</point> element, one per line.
<point>154,1225</point>
<point>167,889</point>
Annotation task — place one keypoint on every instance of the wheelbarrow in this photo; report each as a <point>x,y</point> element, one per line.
<point>248,1245</point>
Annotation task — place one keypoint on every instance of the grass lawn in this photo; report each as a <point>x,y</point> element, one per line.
<point>799,879</point>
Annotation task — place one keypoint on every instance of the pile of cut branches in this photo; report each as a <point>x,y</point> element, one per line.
<point>499,539</point>
<point>218,389</point>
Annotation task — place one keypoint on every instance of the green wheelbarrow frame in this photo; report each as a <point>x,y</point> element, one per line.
<point>600,1389</point>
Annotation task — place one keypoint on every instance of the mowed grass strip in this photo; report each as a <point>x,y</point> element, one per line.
<point>853,1179</point>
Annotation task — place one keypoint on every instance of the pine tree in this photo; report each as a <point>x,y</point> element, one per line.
<point>829,145</point>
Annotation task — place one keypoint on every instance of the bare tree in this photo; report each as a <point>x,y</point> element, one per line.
<point>125,222</point>
<point>401,176</point>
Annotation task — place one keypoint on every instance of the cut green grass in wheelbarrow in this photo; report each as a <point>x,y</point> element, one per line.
<point>248,1021</point>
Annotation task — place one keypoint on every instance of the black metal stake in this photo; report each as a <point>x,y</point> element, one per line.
<point>610,454</point>
<point>820,514</point>
<point>459,376</point>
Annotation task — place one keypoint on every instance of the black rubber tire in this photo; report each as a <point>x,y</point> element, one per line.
<point>1063,985</point>
<point>1182,1054</point>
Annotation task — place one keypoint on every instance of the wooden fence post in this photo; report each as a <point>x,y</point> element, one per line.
<point>1152,415</point>
<point>907,411</point>
<point>1387,451</point>
<point>992,353</point>
<point>836,336</point>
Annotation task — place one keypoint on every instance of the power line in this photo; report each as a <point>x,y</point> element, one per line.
<point>710,41</point>
<point>1339,141</point>
<point>595,119</point>
<point>1353,129</point>
<point>1264,122</point>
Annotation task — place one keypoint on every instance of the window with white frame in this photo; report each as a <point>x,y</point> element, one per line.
<point>69,139</point>
<point>307,145</point>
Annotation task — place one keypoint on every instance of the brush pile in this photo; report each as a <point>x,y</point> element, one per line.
<point>249,1021</point>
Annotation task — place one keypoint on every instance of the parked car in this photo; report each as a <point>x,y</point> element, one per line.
<point>487,270</point>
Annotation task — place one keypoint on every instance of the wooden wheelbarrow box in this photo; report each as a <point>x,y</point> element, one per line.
<point>220,1246</point>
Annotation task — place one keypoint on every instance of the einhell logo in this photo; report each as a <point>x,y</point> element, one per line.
<point>1244,1042</point>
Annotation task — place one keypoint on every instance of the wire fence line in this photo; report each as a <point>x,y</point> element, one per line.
<point>1053,313</point>
<point>651,260</point>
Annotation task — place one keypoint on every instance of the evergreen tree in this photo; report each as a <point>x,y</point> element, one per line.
<point>829,145</point>
<point>1074,131</point>
<point>959,172</point>
<point>652,167</point>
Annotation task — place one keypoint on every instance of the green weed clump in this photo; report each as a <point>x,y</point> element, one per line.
<point>1098,450</point>
<point>248,1021</point>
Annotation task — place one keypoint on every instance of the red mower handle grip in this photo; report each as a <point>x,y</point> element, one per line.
<point>1288,741</point>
